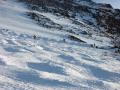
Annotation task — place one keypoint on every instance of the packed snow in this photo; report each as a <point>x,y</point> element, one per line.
<point>49,62</point>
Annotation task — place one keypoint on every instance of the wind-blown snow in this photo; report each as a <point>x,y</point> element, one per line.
<point>114,3</point>
<point>49,63</point>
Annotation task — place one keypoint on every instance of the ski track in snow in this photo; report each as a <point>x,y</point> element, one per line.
<point>48,63</point>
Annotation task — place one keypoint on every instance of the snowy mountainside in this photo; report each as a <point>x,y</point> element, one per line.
<point>53,61</point>
<point>100,16</point>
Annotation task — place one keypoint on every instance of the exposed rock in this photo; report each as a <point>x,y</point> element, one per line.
<point>100,15</point>
<point>44,21</point>
<point>72,37</point>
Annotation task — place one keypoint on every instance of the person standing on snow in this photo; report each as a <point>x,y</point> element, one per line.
<point>34,37</point>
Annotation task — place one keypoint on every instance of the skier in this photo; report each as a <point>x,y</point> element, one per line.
<point>64,40</point>
<point>35,41</point>
<point>94,45</point>
<point>34,37</point>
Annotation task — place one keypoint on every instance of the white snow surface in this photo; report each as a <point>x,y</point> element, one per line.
<point>48,63</point>
<point>114,3</point>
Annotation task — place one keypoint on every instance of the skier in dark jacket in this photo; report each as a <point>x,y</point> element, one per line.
<point>34,37</point>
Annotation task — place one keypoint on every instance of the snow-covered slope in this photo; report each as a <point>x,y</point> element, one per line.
<point>114,3</point>
<point>50,62</point>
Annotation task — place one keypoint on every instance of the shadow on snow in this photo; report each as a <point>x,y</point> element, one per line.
<point>47,67</point>
<point>33,77</point>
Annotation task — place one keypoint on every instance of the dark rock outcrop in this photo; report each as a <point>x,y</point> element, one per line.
<point>98,15</point>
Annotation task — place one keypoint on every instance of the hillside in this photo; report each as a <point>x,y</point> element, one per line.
<point>67,54</point>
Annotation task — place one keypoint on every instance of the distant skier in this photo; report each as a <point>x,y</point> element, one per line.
<point>64,40</point>
<point>35,41</point>
<point>34,37</point>
<point>94,45</point>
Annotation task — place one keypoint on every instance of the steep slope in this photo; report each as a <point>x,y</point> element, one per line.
<point>53,61</point>
<point>101,16</point>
